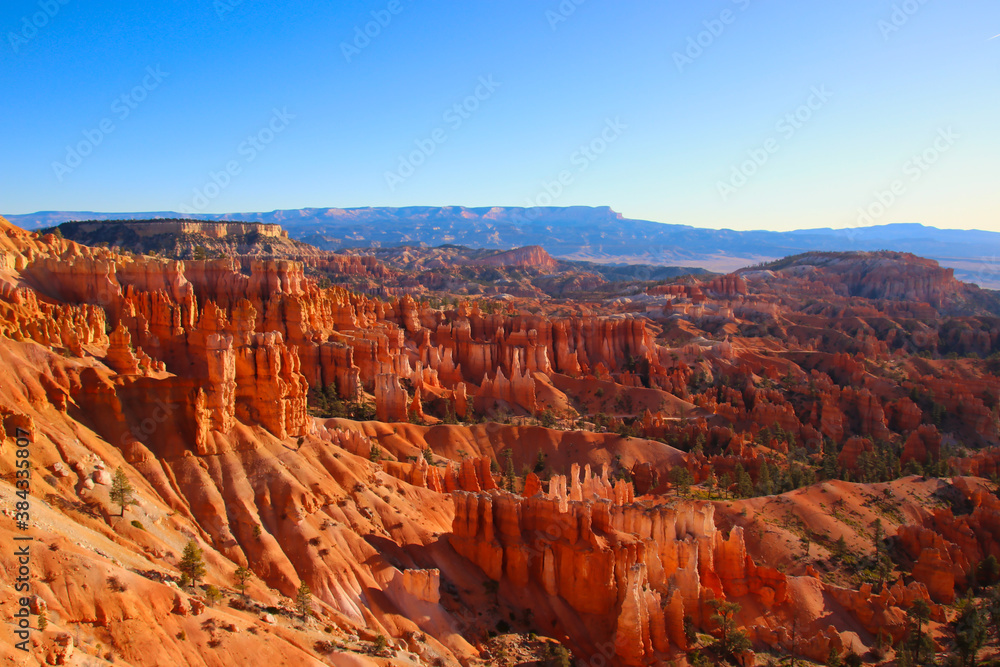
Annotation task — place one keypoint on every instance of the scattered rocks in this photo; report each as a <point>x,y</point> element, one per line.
<point>180,606</point>
<point>36,604</point>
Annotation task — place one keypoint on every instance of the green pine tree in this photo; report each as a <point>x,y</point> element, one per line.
<point>241,577</point>
<point>192,565</point>
<point>970,631</point>
<point>303,600</point>
<point>122,493</point>
<point>744,485</point>
<point>918,613</point>
<point>765,487</point>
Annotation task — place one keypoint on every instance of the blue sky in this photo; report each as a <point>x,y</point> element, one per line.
<point>255,105</point>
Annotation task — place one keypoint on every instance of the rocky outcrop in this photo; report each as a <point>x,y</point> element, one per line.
<point>423,584</point>
<point>391,400</point>
<point>642,568</point>
<point>529,256</point>
<point>922,446</point>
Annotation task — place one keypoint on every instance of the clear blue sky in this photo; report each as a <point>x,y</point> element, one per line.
<point>682,128</point>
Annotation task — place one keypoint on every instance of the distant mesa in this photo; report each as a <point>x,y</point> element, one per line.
<point>185,238</point>
<point>529,256</point>
<point>209,228</point>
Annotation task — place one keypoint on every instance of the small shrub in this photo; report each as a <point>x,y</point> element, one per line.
<point>138,524</point>
<point>558,656</point>
<point>325,646</point>
<point>239,604</point>
<point>212,595</point>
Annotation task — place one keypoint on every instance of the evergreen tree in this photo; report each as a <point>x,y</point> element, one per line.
<point>122,493</point>
<point>883,563</point>
<point>539,462</point>
<point>241,576</point>
<point>764,485</point>
<point>831,467</point>
<point>732,640</point>
<point>840,547</point>
<point>303,600</point>
<point>711,483</point>
<point>192,565</point>
<point>681,478</point>
<point>725,482</point>
<point>918,613</point>
<point>988,570</point>
<point>970,631</point>
<point>744,485</point>
<point>509,476</point>
<point>212,595</point>
<point>878,535</point>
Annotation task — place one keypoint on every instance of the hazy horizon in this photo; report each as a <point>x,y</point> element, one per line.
<point>461,206</point>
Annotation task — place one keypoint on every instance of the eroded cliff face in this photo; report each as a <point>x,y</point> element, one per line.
<point>623,577</point>
<point>628,574</point>
<point>946,546</point>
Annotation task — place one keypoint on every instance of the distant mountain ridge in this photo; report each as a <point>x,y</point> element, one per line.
<point>597,234</point>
